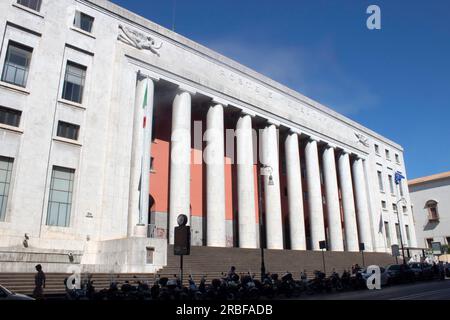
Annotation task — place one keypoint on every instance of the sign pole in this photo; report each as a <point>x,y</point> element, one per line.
<point>181,269</point>
<point>323,260</point>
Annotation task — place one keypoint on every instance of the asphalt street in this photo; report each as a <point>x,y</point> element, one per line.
<point>434,290</point>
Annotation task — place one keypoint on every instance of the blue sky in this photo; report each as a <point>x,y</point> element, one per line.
<point>395,81</point>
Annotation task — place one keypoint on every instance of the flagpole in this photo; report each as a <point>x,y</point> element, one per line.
<point>147,115</point>
<point>398,180</point>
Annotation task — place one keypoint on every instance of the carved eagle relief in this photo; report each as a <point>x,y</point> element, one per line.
<point>362,139</point>
<point>138,40</point>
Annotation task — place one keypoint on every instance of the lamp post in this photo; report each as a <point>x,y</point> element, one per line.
<point>401,227</point>
<point>261,226</point>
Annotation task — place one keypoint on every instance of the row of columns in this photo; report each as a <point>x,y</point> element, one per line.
<point>357,227</point>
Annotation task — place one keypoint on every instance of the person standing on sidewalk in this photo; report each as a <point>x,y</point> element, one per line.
<point>39,282</point>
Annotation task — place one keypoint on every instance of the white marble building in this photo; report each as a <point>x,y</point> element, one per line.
<point>74,77</point>
<point>430,197</point>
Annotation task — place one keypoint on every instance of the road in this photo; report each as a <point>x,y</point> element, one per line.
<point>434,290</point>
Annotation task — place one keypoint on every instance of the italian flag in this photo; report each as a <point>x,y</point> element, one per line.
<point>145,105</point>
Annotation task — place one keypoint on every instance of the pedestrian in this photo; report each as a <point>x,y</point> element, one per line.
<point>39,282</point>
<point>441,270</point>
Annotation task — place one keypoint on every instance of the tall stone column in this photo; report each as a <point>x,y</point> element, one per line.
<point>350,227</point>
<point>180,160</point>
<point>295,193</point>
<point>246,183</point>
<point>317,226</point>
<point>215,177</point>
<point>363,216</point>
<point>332,196</point>
<point>272,197</point>
<point>140,157</point>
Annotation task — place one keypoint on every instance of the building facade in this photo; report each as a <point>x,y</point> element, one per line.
<point>430,197</point>
<point>111,126</point>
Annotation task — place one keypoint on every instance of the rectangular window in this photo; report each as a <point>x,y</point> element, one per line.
<point>32,4</point>
<point>429,242</point>
<point>388,155</point>
<point>10,117</point>
<point>17,64</point>
<point>391,183</point>
<point>60,197</point>
<point>380,181</point>
<point>83,21</point>
<point>6,165</point>
<point>377,149</point>
<point>68,130</point>
<point>400,188</point>
<point>408,236</point>
<point>74,82</point>
<point>448,240</point>
<point>397,158</point>
<point>397,230</point>
<point>405,209</point>
<point>394,207</point>
<point>388,234</point>
<point>383,204</point>
<point>152,163</point>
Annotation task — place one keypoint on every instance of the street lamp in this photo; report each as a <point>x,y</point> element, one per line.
<point>401,227</point>
<point>261,227</point>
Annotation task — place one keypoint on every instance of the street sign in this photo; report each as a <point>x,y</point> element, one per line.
<point>182,245</point>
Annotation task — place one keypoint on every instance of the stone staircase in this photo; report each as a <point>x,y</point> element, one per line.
<point>211,262</point>
<point>24,282</point>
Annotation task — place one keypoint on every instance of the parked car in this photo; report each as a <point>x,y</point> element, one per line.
<point>400,273</point>
<point>6,294</point>
<point>384,277</point>
<point>422,271</point>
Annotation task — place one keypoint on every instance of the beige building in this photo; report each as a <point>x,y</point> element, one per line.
<point>430,197</point>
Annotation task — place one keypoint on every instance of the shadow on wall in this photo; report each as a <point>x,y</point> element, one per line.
<point>431,225</point>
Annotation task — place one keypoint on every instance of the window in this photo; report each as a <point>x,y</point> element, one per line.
<point>380,181</point>
<point>32,4</point>
<point>400,188</point>
<point>17,64</point>
<point>377,149</point>
<point>152,163</point>
<point>388,155</point>
<point>397,158</point>
<point>394,207</point>
<point>388,234</point>
<point>448,240</point>
<point>383,204</point>
<point>60,197</point>
<point>405,209</point>
<point>74,82</point>
<point>432,207</point>
<point>10,117</point>
<point>68,130</point>
<point>408,236</point>
<point>429,242</point>
<point>6,165</point>
<point>397,230</point>
<point>83,21</point>
<point>391,183</point>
